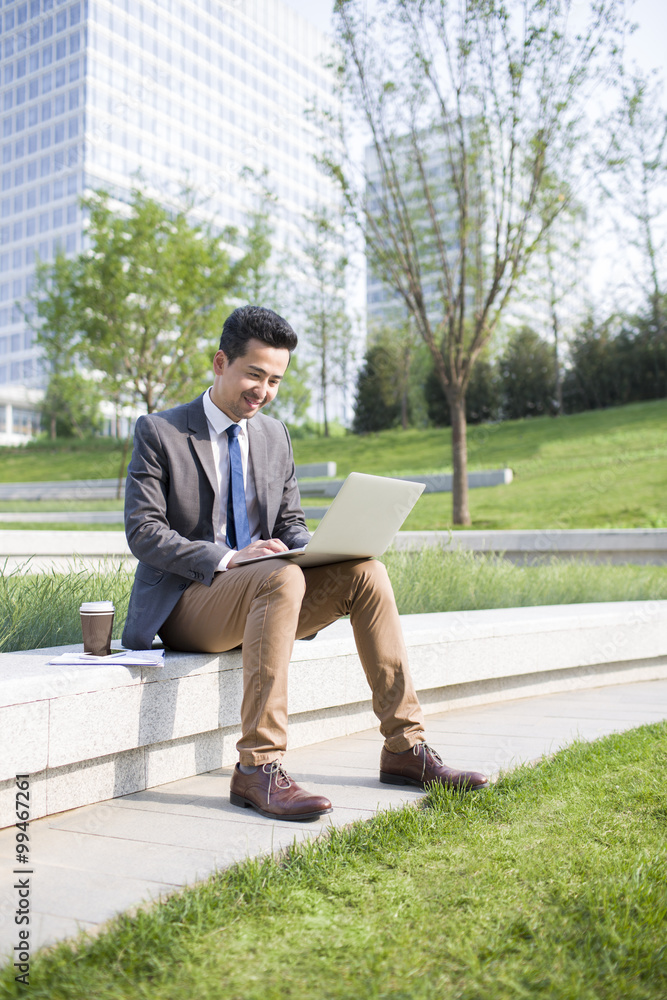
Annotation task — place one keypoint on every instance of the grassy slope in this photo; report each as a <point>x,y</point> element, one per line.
<point>605,468</point>
<point>551,884</point>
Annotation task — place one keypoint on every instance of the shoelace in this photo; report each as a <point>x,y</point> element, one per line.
<point>417,749</point>
<point>276,772</point>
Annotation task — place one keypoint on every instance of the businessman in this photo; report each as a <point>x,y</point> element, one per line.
<point>212,482</point>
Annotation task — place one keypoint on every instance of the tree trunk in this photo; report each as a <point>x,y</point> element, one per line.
<point>52,427</point>
<point>460,512</point>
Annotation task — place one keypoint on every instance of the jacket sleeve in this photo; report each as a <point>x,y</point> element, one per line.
<point>163,521</point>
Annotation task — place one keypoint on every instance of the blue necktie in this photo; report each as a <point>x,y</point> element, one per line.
<point>238,532</point>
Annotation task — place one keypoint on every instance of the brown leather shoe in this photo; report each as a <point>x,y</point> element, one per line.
<point>421,766</point>
<point>273,793</point>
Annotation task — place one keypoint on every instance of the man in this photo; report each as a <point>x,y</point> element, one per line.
<point>212,482</point>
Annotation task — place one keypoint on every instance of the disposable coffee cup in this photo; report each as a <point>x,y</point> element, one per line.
<point>97,626</point>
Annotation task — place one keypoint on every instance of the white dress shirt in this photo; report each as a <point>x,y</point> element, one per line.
<point>218,422</point>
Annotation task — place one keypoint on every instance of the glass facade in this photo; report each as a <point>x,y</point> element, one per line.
<point>97,94</point>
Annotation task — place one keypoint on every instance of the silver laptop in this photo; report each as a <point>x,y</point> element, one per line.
<point>362,520</point>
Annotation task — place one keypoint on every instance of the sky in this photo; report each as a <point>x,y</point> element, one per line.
<point>648,45</point>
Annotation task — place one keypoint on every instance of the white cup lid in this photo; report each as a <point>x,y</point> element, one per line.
<point>97,607</point>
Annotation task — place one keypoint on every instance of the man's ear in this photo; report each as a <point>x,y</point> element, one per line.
<point>219,362</point>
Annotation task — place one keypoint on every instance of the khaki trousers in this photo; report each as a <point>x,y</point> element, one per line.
<point>264,607</point>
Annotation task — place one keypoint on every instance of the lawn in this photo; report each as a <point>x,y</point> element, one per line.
<point>43,609</point>
<point>600,469</point>
<point>553,883</point>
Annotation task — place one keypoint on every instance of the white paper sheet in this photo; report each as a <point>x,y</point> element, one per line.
<point>126,657</point>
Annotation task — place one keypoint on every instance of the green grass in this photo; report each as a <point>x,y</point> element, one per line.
<point>551,884</point>
<point>431,580</point>
<point>604,468</point>
<point>56,461</point>
<point>39,610</point>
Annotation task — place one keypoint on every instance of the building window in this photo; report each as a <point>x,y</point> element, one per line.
<point>44,194</point>
<point>44,222</point>
<point>61,49</point>
<point>47,83</point>
<point>47,55</point>
<point>30,225</point>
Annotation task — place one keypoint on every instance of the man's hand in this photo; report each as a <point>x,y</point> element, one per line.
<point>261,547</point>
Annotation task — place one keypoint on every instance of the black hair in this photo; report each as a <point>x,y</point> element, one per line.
<point>248,322</point>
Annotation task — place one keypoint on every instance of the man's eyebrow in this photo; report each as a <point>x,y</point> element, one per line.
<point>263,371</point>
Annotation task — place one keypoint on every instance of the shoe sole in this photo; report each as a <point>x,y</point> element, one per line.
<point>399,779</point>
<point>239,800</point>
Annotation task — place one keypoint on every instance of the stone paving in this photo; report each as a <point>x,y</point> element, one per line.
<point>90,863</point>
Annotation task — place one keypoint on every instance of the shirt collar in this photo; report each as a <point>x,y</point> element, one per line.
<point>218,420</point>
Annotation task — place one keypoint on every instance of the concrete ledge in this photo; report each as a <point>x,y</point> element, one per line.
<point>441,483</point>
<point>85,734</point>
<point>610,545</point>
<point>107,489</point>
<point>60,550</point>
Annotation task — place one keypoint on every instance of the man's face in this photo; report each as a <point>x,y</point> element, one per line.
<point>241,388</point>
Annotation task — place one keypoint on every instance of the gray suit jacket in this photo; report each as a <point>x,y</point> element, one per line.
<point>172,505</point>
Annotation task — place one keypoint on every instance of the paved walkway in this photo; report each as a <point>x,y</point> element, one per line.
<point>92,862</point>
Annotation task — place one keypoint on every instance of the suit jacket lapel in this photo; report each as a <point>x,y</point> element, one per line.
<point>201,444</point>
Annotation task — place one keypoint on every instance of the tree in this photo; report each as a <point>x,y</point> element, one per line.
<point>528,376</point>
<point>376,407</point>
<point>634,167</point>
<point>71,401</point>
<point>322,302</point>
<point>142,305</point>
<point>469,108</point>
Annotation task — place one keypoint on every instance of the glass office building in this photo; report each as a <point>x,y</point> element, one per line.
<point>95,92</point>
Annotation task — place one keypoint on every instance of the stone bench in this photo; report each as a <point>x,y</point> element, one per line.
<point>86,734</point>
